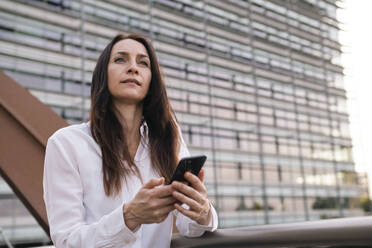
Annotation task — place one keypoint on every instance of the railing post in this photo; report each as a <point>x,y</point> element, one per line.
<point>7,242</point>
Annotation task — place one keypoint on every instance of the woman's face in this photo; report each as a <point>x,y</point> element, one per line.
<point>129,72</point>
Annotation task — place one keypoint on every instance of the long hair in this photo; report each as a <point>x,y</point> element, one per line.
<point>162,129</point>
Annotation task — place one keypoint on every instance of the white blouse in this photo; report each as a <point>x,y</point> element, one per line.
<point>79,212</point>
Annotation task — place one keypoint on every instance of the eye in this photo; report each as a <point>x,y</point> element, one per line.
<point>144,63</point>
<point>119,60</point>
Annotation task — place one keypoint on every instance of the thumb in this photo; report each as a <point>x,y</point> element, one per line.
<point>153,183</point>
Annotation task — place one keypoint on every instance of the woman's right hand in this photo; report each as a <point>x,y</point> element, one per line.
<point>150,205</point>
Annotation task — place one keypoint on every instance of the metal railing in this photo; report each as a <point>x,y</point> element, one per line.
<point>322,233</point>
<point>6,240</point>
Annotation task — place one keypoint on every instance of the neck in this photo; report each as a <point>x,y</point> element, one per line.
<point>130,117</point>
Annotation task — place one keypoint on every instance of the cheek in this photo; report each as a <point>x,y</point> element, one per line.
<point>148,79</point>
<point>109,84</point>
<point>110,78</point>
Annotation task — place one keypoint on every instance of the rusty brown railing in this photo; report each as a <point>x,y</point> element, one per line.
<point>26,124</point>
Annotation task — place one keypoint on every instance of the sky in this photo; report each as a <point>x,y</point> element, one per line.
<point>356,38</point>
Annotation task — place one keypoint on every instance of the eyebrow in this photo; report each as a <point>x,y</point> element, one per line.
<point>141,55</point>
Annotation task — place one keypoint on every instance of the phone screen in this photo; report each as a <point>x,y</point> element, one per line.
<point>192,164</point>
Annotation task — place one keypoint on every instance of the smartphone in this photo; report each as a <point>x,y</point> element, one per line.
<point>192,164</point>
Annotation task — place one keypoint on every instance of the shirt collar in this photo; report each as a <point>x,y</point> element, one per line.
<point>143,129</point>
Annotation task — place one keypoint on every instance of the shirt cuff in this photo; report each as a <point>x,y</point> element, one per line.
<point>115,226</point>
<point>211,227</point>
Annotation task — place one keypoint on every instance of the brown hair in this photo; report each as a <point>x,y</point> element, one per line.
<point>163,134</point>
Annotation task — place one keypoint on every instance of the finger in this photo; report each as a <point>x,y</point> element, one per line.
<point>164,202</point>
<point>166,210</point>
<point>195,182</point>
<point>201,175</point>
<point>161,214</point>
<point>190,202</point>
<point>153,183</point>
<point>163,191</point>
<point>186,212</point>
<point>188,191</point>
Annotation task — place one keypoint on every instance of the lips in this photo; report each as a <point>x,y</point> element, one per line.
<point>131,80</point>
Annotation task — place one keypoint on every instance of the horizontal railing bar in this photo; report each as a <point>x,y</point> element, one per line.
<point>343,231</point>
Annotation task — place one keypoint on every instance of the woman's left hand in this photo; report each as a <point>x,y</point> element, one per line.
<point>195,196</point>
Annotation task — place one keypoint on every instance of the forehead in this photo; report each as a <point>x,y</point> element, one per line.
<point>129,46</point>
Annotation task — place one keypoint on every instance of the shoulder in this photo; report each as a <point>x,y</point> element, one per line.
<point>71,134</point>
<point>183,150</point>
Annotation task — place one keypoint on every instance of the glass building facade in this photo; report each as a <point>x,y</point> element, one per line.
<point>256,85</point>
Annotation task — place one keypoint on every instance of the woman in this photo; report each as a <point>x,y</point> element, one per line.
<point>105,181</point>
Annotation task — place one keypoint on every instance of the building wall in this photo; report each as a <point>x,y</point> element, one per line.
<point>256,85</point>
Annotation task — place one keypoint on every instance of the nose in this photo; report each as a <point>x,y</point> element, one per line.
<point>132,68</point>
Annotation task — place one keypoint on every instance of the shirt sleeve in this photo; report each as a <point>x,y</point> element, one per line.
<point>63,196</point>
<point>186,226</point>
